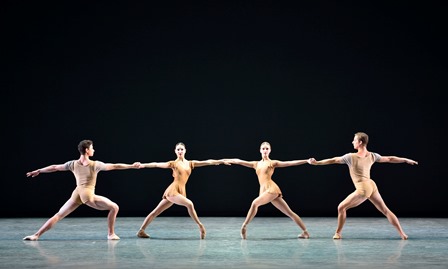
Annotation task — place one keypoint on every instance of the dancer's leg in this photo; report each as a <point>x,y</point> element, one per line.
<point>66,209</point>
<point>162,206</point>
<point>263,199</point>
<point>281,205</point>
<point>378,201</point>
<point>184,201</point>
<point>103,203</point>
<point>354,199</point>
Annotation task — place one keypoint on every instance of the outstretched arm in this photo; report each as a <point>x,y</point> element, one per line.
<point>291,163</point>
<point>121,166</point>
<point>209,162</point>
<point>155,165</point>
<point>48,169</point>
<point>334,160</point>
<point>395,159</point>
<point>250,164</point>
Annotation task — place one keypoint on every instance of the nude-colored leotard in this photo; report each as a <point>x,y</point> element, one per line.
<point>181,173</point>
<point>264,172</point>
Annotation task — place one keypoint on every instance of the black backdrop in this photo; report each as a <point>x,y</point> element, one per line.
<point>223,77</point>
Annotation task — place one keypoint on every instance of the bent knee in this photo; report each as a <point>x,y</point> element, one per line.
<point>115,207</point>
<point>189,205</point>
<point>255,204</point>
<point>342,207</point>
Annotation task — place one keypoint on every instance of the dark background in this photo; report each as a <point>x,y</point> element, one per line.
<point>222,77</point>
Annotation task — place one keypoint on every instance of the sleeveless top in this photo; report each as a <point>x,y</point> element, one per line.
<point>265,179</point>
<point>181,173</point>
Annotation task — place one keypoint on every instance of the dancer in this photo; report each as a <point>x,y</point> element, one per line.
<point>85,171</point>
<point>269,191</point>
<point>176,191</point>
<point>359,165</point>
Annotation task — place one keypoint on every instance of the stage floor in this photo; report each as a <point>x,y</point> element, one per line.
<point>271,243</point>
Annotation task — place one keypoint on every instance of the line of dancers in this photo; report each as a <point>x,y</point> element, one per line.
<point>85,171</point>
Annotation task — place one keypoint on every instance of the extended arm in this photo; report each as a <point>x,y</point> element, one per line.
<point>291,163</point>
<point>395,159</point>
<point>334,160</point>
<point>48,169</point>
<point>155,165</point>
<point>241,162</point>
<point>121,166</point>
<point>208,162</point>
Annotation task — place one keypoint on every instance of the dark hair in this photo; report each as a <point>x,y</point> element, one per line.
<point>83,145</point>
<point>363,137</point>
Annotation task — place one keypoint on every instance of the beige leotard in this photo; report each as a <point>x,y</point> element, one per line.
<point>265,170</point>
<point>181,173</point>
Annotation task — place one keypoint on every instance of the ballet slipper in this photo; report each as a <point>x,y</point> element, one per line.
<point>337,236</point>
<point>141,233</point>
<point>304,235</point>
<point>31,237</point>
<point>113,237</point>
<point>244,232</point>
<point>202,231</point>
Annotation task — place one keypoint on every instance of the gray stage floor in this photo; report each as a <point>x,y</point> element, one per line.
<point>271,243</point>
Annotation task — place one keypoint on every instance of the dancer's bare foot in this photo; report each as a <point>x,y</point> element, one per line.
<point>141,233</point>
<point>337,236</point>
<point>113,237</point>
<point>31,237</point>
<point>404,236</point>
<point>202,231</point>
<point>304,235</point>
<point>244,232</point>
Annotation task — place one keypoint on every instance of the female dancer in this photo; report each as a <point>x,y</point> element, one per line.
<point>269,191</point>
<point>176,191</point>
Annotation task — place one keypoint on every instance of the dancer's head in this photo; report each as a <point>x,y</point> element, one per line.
<point>360,140</point>
<point>180,150</point>
<point>265,149</point>
<point>85,146</point>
